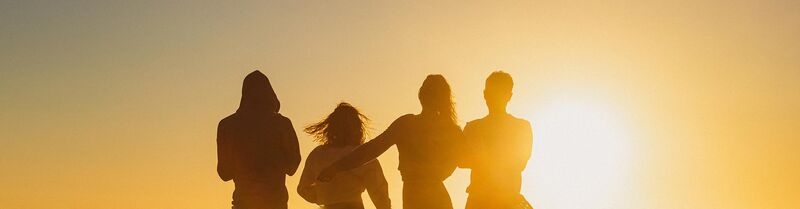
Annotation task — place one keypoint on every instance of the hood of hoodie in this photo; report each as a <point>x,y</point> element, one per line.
<point>258,95</point>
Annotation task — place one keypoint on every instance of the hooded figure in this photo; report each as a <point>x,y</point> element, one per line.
<point>257,147</point>
<point>258,97</point>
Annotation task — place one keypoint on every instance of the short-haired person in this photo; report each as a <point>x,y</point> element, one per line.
<point>498,147</point>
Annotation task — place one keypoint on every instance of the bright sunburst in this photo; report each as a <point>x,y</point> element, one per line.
<point>582,155</point>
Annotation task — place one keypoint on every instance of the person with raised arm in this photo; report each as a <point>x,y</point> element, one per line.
<point>427,145</point>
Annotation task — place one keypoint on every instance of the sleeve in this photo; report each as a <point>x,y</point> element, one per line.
<point>372,149</point>
<point>377,187</point>
<point>291,149</point>
<point>306,187</point>
<point>223,154</point>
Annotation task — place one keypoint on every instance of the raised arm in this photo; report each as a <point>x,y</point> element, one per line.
<point>291,148</point>
<point>223,153</point>
<point>377,187</point>
<point>366,152</point>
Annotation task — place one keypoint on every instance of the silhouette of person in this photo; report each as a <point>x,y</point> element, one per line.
<point>257,147</point>
<point>426,146</point>
<point>498,148</point>
<point>340,133</point>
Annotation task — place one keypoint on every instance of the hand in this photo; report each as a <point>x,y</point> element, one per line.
<point>327,174</point>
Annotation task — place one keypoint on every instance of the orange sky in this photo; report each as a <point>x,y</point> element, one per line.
<point>638,104</point>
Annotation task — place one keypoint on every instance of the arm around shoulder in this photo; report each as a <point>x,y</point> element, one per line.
<point>367,151</point>
<point>373,148</point>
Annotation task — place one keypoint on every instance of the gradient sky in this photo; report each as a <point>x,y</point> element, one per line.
<point>635,104</point>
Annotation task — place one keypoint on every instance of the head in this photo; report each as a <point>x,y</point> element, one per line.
<point>258,95</point>
<point>344,126</point>
<point>435,96</point>
<point>498,91</point>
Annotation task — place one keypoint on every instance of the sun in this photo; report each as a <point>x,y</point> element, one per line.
<point>581,155</point>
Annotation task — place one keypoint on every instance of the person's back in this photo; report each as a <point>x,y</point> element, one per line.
<point>340,133</point>
<point>257,148</point>
<point>497,149</point>
<point>427,156</point>
<point>423,148</point>
<point>503,143</point>
<point>345,190</point>
<point>255,144</point>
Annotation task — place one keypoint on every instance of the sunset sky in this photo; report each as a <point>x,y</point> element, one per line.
<point>634,104</point>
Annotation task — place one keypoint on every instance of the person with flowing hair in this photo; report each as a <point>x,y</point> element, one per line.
<point>339,134</point>
<point>257,148</point>
<point>427,145</point>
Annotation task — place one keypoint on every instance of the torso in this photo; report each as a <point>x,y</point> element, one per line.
<point>346,187</point>
<point>498,136</point>
<point>425,149</point>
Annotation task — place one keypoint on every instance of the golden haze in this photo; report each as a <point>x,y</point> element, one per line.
<point>635,104</point>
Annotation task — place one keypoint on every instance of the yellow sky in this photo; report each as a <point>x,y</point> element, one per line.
<point>635,104</point>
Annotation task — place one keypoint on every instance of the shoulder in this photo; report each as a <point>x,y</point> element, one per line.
<point>476,122</point>
<point>521,124</point>
<point>226,121</point>
<point>224,127</point>
<point>282,120</point>
<point>403,120</point>
<point>316,152</point>
<point>520,121</point>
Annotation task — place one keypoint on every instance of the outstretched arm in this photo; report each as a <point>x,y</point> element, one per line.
<point>223,154</point>
<point>291,149</point>
<point>366,152</point>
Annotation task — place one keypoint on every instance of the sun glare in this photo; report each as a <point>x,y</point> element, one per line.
<point>581,156</point>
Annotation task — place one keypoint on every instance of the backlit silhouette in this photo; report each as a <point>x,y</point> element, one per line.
<point>426,146</point>
<point>340,133</point>
<point>257,147</point>
<point>498,148</point>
